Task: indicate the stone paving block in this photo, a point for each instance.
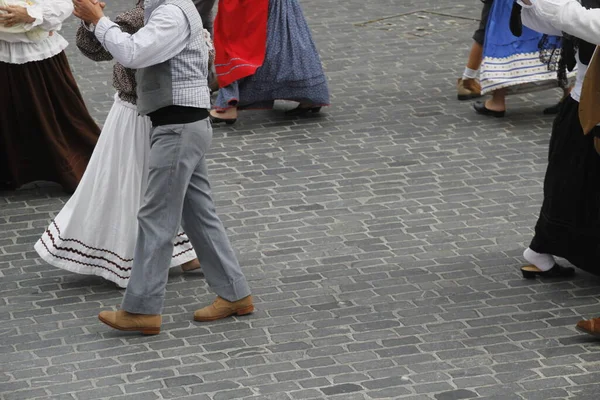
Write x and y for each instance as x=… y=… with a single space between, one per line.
x=381 y=239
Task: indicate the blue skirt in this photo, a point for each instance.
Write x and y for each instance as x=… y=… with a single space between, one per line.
x=510 y=61
x=292 y=68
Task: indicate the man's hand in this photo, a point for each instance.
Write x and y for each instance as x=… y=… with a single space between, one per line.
x=527 y=2
x=89 y=11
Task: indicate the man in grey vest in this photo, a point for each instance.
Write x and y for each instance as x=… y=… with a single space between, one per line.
x=171 y=58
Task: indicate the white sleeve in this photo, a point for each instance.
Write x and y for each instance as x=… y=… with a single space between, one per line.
x=50 y=14
x=164 y=36
x=534 y=21
x=571 y=17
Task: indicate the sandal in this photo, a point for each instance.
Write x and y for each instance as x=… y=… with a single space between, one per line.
x=480 y=108
x=531 y=272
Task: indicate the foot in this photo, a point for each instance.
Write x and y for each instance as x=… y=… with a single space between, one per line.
x=483 y=109
x=590 y=326
x=468 y=89
x=222 y=308
x=228 y=116
x=124 y=321
x=555 y=109
x=303 y=109
x=190 y=265
x=531 y=272
x=542 y=261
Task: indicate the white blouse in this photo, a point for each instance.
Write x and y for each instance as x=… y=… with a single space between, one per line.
x=567 y=16
x=18 y=48
x=552 y=17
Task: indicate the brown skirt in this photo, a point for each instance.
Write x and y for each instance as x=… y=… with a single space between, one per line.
x=46 y=131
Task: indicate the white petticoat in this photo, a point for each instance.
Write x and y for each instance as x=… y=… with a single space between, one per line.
x=24 y=52
x=95 y=232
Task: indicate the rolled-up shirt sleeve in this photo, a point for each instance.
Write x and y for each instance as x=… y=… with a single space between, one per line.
x=49 y=15
x=164 y=36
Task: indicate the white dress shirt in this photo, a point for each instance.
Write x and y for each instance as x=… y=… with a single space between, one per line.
x=567 y=16
x=18 y=48
x=165 y=35
x=553 y=17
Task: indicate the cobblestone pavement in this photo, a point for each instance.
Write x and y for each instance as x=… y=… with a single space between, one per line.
x=382 y=241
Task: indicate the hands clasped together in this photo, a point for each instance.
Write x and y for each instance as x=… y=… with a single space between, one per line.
x=89 y=11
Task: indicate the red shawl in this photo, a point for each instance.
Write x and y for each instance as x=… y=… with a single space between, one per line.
x=240 y=36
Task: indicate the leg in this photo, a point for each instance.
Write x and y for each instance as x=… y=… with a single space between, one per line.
x=225 y=109
x=174 y=153
x=475 y=56
x=468 y=86
x=498 y=101
x=208 y=236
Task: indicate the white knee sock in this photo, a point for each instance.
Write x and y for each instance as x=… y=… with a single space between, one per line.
x=543 y=261
x=470 y=73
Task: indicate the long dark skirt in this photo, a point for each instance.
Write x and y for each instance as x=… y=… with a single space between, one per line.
x=569 y=223
x=46 y=132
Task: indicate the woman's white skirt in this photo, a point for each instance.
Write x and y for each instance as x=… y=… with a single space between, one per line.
x=95 y=232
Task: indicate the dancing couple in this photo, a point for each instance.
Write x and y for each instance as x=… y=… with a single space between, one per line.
x=164 y=42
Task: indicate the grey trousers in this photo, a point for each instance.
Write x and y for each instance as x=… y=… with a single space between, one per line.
x=179 y=193
x=205 y=8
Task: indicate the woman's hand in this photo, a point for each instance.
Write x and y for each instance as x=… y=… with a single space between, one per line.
x=14 y=15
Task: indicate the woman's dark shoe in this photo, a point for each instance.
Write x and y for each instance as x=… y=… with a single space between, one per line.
x=531 y=272
x=480 y=108
x=302 y=111
x=217 y=120
x=555 y=109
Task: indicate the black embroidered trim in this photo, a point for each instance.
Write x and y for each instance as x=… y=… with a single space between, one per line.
x=98 y=249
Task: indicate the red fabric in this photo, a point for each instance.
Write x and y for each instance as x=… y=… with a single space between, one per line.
x=240 y=36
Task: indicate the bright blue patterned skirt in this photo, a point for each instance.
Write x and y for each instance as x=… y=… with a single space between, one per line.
x=292 y=68
x=510 y=61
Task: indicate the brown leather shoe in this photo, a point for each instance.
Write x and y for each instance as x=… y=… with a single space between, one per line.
x=222 y=308
x=190 y=265
x=590 y=326
x=468 y=89
x=124 y=321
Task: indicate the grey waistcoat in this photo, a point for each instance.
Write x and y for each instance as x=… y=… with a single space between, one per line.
x=182 y=80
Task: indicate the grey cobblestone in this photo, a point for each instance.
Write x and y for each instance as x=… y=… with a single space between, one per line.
x=381 y=239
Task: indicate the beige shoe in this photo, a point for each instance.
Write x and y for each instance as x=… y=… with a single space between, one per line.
x=468 y=89
x=591 y=327
x=222 y=308
x=124 y=321
x=190 y=265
